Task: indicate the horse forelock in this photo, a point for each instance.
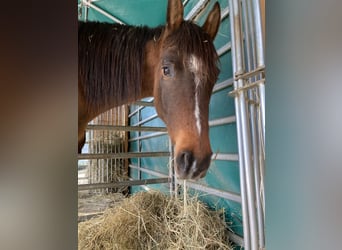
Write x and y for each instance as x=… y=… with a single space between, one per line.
x=192 y=42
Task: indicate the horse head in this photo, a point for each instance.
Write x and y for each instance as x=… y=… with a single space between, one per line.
x=184 y=60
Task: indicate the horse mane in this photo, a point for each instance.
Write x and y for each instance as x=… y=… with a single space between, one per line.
x=190 y=39
x=110 y=58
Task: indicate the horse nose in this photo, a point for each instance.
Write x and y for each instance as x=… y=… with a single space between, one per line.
x=184 y=162
x=188 y=167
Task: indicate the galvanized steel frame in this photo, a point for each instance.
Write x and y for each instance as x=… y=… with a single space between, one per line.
x=248 y=65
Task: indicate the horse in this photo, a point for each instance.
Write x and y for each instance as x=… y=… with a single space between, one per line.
x=176 y=63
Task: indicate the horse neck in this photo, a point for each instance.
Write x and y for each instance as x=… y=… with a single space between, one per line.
x=130 y=73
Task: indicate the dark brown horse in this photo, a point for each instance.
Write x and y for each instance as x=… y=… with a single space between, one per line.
x=175 y=63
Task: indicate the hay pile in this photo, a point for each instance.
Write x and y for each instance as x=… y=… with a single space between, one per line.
x=91 y=205
x=152 y=220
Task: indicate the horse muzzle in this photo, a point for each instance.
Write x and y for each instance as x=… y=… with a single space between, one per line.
x=190 y=167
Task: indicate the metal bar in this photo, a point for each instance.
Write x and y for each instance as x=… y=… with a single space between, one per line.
x=248 y=32
x=222 y=121
x=88 y=3
x=251 y=73
x=243 y=122
x=171 y=168
x=246 y=87
x=85 y=12
x=224 y=13
x=144 y=103
x=256 y=163
x=214 y=191
x=255 y=70
x=143 y=137
x=152 y=172
x=260 y=63
x=236 y=239
x=135 y=111
x=260 y=54
x=225 y=157
x=125 y=128
x=258 y=31
x=217 y=122
x=236 y=53
x=146 y=120
x=185 y=2
x=222 y=85
x=198 y=7
x=262 y=109
x=123 y=183
x=139 y=146
x=123 y=155
x=224 y=49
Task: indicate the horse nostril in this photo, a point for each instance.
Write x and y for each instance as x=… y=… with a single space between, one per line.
x=185 y=160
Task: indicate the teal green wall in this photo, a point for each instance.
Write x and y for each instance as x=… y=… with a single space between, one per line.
x=223 y=175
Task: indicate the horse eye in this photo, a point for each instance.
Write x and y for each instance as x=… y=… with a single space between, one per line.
x=167 y=71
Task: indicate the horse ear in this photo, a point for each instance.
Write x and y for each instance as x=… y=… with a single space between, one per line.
x=212 y=23
x=174 y=14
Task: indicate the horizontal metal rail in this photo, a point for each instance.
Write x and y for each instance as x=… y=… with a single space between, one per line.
x=146 y=120
x=144 y=103
x=123 y=155
x=212 y=123
x=224 y=13
x=135 y=111
x=149 y=171
x=195 y=10
x=125 y=128
x=238 y=240
x=222 y=121
x=214 y=191
x=123 y=183
x=224 y=49
x=222 y=85
x=245 y=75
x=143 y=137
x=225 y=157
x=89 y=4
x=246 y=87
x=185 y=2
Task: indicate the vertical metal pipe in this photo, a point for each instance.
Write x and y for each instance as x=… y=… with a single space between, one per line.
x=139 y=146
x=246 y=143
x=260 y=62
x=262 y=169
x=253 y=95
x=245 y=220
x=242 y=122
x=251 y=25
x=260 y=54
x=85 y=6
x=171 y=169
x=256 y=166
x=247 y=35
x=261 y=90
x=258 y=31
x=259 y=183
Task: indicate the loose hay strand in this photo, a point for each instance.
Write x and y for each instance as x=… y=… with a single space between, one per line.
x=153 y=220
x=185 y=194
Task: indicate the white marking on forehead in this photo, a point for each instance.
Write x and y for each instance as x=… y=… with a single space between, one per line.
x=195 y=64
x=195 y=67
